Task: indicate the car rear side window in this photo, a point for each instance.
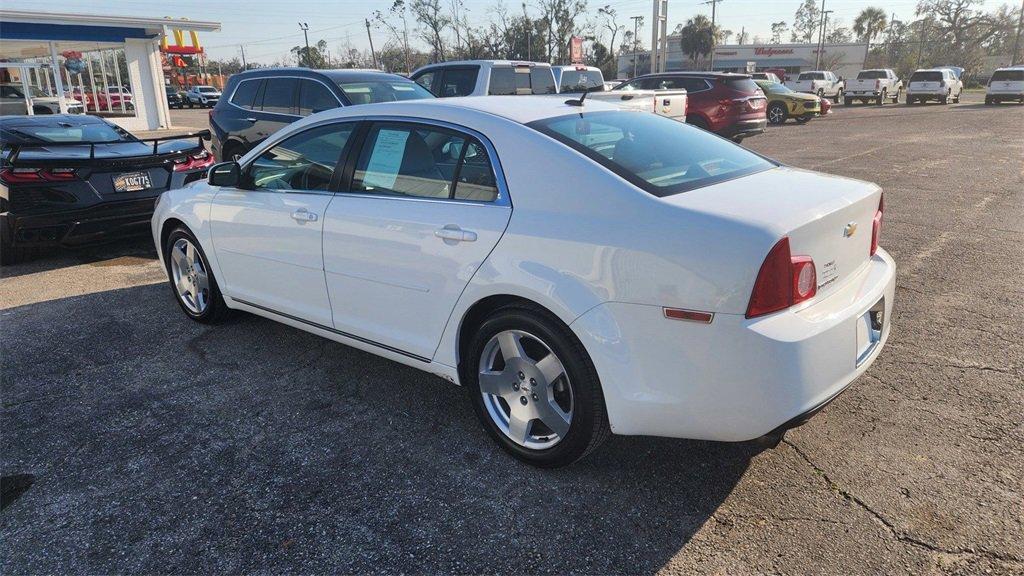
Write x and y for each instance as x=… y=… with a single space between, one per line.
x=657 y=154
x=745 y=85
x=503 y=82
x=245 y=93
x=1008 y=75
x=458 y=82
x=279 y=95
x=542 y=81
x=315 y=97
x=578 y=81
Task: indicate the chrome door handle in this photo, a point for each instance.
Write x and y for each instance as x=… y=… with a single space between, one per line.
x=302 y=216
x=456 y=234
x=253 y=120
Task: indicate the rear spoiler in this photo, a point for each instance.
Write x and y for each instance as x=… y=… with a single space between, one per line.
x=15 y=149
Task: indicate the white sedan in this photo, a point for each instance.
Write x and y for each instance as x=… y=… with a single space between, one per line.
x=582 y=270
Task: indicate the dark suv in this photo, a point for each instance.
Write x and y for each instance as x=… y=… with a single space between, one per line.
x=728 y=104
x=257 y=103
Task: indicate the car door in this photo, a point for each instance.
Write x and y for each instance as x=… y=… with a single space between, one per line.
x=274 y=108
x=268 y=233
x=420 y=208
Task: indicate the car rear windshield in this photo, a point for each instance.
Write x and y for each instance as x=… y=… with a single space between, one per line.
x=579 y=81
x=206 y=89
x=745 y=85
x=1009 y=75
x=812 y=76
x=926 y=77
x=872 y=75
x=657 y=154
x=95 y=133
x=383 y=91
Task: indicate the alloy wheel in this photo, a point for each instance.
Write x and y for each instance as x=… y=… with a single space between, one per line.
x=526 y=389
x=190 y=276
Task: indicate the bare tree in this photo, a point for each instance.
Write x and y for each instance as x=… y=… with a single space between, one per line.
x=610 y=22
x=396 y=22
x=778 y=30
x=430 y=14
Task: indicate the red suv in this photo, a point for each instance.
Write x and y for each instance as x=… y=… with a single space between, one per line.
x=727 y=104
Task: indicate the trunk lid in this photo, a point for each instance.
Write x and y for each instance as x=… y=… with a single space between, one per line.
x=828 y=218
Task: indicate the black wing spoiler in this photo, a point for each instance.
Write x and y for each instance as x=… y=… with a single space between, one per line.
x=15 y=149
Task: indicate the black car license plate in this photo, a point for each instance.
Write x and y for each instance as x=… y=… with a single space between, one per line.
x=132 y=182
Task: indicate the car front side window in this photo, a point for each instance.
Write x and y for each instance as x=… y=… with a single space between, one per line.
x=304 y=162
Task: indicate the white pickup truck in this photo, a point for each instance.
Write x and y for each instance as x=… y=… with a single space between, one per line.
x=821 y=82
x=510 y=78
x=879 y=85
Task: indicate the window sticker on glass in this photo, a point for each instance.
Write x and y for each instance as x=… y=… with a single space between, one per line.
x=386 y=159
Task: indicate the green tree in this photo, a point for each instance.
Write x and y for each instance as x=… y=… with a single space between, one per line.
x=778 y=29
x=869 y=23
x=696 y=37
x=314 y=56
x=806 y=22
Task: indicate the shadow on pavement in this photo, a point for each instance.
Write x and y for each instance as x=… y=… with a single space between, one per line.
x=158 y=444
x=62 y=257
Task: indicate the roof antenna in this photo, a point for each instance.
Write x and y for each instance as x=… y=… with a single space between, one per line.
x=580 y=101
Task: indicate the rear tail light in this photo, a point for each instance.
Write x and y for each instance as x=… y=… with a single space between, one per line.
x=197 y=161
x=878 y=84
x=782 y=281
x=876 y=225
x=30 y=175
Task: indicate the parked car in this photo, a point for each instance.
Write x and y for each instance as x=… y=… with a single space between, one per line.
x=769 y=76
x=204 y=96
x=1005 y=84
x=728 y=104
x=13 y=102
x=784 y=103
x=693 y=289
x=939 y=84
x=68 y=180
x=174 y=98
x=263 y=101
x=821 y=82
x=826 y=106
x=878 y=85
x=109 y=100
x=486 y=78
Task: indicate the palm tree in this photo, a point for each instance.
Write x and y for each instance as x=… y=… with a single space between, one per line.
x=868 y=25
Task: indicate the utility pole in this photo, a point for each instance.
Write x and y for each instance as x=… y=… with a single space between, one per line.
x=305 y=32
x=821 y=34
x=659 y=37
x=370 y=38
x=636 y=30
x=242 y=48
x=529 y=41
x=714 y=36
x=920 y=44
x=888 y=61
x=743 y=34
x=1016 y=41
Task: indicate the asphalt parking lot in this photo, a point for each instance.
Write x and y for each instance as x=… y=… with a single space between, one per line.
x=136 y=441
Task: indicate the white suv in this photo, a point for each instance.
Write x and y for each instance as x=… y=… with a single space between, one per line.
x=939 y=84
x=486 y=78
x=1006 y=84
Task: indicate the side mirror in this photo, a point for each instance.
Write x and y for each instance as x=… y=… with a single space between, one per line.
x=225 y=174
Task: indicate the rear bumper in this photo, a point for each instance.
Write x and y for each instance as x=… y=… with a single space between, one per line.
x=97 y=223
x=745 y=128
x=734 y=379
x=997 y=96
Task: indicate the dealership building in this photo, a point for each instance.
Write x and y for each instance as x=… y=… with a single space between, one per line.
x=111 y=65
x=843 y=59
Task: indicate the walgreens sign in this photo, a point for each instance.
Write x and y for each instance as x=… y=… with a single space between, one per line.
x=769 y=52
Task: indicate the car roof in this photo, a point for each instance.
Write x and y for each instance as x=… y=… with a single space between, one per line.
x=519 y=109
x=698 y=74
x=489 y=63
x=346 y=74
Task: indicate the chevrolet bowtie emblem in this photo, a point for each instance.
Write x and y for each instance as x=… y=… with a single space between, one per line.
x=850 y=229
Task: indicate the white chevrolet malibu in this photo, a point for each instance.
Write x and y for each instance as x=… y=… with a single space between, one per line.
x=580 y=269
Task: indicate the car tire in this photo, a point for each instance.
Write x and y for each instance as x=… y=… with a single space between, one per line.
x=821 y=92
x=839 y=96
x=572 y=401
x=882 y=98
x=698 y=122
x=988 y=101
x=10 y=255
x=200 y=299
x=777 y=113
x=231 y=150
x=848 y=102
x=896 y=98
x=957 y=99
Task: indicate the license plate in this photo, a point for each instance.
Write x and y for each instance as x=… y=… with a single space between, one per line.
x=132 y=182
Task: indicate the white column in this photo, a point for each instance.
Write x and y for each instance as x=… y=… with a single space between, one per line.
x=57 y=80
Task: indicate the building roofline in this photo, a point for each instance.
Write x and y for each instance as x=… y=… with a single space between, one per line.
x=63 y=18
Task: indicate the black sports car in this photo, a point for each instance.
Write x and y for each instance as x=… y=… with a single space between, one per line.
x=71 y=180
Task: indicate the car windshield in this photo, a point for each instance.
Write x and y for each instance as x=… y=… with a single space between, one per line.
x=872 y=75
x=657 y=154
x=745 y=85
x=926 y=77
x=578 y=81
x=773 y=87
x=1009 y=75
x=383 y=91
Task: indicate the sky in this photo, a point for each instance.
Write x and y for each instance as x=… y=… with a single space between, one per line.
x=269 y=28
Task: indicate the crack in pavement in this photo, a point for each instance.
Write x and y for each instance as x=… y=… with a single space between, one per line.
x=900 y=535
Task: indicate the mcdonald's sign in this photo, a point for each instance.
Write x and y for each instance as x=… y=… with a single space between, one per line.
x=179 y=46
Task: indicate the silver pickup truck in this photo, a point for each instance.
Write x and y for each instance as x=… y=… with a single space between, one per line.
x=670 y=103
x=878 y=85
